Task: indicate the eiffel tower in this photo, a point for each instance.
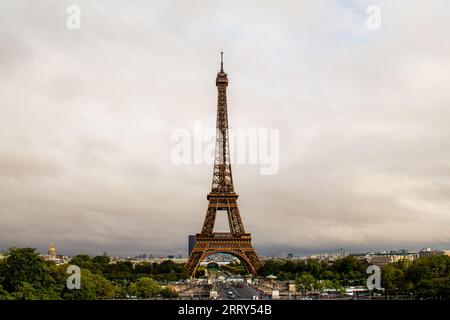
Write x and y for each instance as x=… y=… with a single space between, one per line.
x=223 y=198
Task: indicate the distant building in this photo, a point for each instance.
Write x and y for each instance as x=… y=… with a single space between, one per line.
x=425 y=252
x=380 y=259
x=191 y=243
x=443 y=252
x=360 y=256
x=384 y=258
x=399 y=251
x=290 y=256
x=53 y=257
x=428 y=252
x=52 y=251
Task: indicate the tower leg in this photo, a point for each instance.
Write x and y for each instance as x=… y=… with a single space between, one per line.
x=238 y=247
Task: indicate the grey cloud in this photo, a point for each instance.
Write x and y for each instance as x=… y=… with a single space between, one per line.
x=86 y=119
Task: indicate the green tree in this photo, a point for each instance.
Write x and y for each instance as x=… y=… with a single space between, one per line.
x=84 y=262
x=121 y=271
x=100 y=264
x=145 y=288
x=393 y=278
x=25 y=291
x=350 y=271
x=4 y=294
x=305 y=283
x=338 y=287
x=25 y=266
x=349 y=264
x=314 y=267
x=93 y=287
x=145 y=268
x=430 y=277
x=169 y=293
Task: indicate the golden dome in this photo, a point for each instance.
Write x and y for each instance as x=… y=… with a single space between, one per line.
x=52 y=250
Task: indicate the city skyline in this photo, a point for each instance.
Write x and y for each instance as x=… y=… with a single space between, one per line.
x=279 y=253
x=86 y=119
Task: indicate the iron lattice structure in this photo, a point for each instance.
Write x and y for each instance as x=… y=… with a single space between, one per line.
x=223 y=198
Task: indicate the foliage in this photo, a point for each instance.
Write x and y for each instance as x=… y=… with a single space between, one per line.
x=306 y=282
x=200 y=272
x=424 y=278
x=4 y=295
x=25 y=275
x=345 y=271
x=145 y=288
x=93 y=286
x=168 y=293
x=24 y=266
x=234 y=268
x=125 y=272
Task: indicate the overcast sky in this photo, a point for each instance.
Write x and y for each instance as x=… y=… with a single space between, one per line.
x=86 y=119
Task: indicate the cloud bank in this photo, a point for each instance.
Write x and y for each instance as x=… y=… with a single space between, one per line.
x=86 y=118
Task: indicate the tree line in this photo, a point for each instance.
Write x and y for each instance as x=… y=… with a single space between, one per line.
x=423 y=278
x=25 y=275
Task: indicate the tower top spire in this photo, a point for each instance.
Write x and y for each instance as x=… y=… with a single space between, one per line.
x=221 y=76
